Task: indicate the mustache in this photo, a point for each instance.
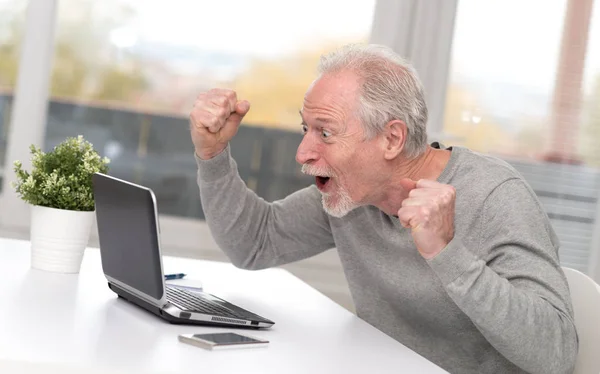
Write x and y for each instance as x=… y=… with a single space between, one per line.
x=317 y=171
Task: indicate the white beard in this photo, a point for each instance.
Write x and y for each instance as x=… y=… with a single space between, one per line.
x=341 y=207
x=344 y=203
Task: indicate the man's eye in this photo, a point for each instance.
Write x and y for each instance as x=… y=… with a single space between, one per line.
x=325 y=134
x=304 y=129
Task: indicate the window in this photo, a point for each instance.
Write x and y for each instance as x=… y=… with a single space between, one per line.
x=525 y=85
x=126 y=74
x=12 y=13
x=503 y=75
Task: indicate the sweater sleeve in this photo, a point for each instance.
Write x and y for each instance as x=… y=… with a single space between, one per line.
x=512 y=287
x=256 y=234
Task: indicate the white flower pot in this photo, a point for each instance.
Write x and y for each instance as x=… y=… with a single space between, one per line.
x=59 y=238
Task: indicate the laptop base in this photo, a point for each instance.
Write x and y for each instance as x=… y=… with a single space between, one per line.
x=166 y=316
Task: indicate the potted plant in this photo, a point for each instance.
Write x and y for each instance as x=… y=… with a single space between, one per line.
x=59 y=190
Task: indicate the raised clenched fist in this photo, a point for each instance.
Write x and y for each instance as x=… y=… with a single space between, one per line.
x=214 y=120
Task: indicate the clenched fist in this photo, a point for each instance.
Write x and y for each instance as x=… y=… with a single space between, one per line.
x=214 y=120
x=429 y=212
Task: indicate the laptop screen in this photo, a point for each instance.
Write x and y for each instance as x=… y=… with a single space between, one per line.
x=127 y=230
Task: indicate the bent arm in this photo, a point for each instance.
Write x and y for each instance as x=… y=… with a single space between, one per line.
x=514 y=291
x=256 y=234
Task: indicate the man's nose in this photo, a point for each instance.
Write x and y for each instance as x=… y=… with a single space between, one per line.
x=306 y=151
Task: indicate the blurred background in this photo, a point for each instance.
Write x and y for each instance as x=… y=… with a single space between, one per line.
x=519 y=79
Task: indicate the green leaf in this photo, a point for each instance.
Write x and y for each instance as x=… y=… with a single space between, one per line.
x=61 y=178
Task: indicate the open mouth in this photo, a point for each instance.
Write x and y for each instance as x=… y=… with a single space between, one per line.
x=322 y=182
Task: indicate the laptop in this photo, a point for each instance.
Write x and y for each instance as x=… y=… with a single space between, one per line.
x=128 y=231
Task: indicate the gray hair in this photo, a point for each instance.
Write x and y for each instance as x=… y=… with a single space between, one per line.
x=390 y=90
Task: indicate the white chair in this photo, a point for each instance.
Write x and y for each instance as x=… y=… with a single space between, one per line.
x=585 y=295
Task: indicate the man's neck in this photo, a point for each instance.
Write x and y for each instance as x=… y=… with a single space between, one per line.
x=429 y=165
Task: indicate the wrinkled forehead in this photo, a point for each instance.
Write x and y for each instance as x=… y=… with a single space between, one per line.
x=338 y=92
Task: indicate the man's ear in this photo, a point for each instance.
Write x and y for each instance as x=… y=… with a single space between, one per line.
x=395 y=136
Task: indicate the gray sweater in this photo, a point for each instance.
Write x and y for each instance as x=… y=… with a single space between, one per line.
x=493 y=301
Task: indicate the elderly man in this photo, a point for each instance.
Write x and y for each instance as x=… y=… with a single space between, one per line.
x=444 y=249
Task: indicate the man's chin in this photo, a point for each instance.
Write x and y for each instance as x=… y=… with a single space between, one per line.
x=338 y=208
x=336 y=212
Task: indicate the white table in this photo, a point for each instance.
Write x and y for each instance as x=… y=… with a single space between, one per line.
x=75 y=320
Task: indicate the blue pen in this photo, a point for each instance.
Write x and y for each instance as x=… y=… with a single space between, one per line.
x=174 y=276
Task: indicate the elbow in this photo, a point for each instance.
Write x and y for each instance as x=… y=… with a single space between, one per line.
x=566 y=358
x=252 y=261
x=238 y=263
x=237 y=257
x=256 y=256
x=561 y=355
x=240 y=253
x=245 y=264
x=571 y=359
x=567 y=363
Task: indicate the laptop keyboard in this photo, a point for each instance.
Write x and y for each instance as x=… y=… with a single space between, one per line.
x=195 y=302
